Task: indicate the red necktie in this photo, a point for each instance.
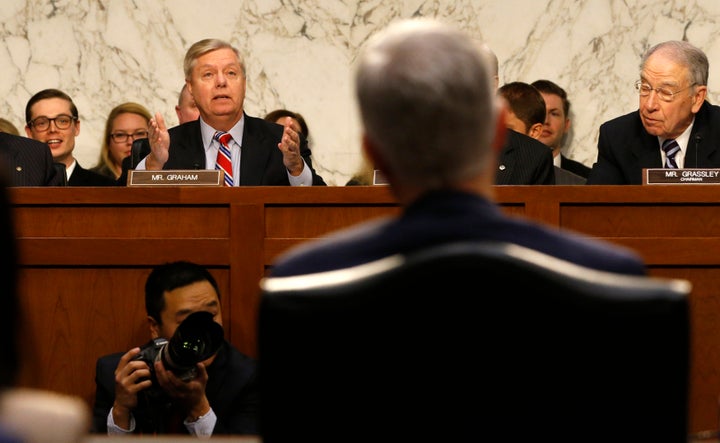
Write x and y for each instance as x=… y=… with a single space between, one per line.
x=224 y=162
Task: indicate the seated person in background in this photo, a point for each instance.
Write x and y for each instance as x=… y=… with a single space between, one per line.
x=7 y=126
x=672 y=92
x=526 y=115
x=126 y=123
x=186 y=109
x=28 y=162
x=271 y=154
x=52 y=118
x=220 y=399
x=557 y=125
x=523 y=160
x=525 y=108
x=297 y=121
x=439 y=158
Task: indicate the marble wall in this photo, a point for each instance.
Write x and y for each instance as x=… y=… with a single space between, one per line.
x=300 y=55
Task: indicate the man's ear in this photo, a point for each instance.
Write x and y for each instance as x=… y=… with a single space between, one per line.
x=535 y=130
x=500 y=128
x=154 y=328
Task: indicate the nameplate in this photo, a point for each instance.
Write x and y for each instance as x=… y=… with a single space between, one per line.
x=178 y=177
x=681 y=176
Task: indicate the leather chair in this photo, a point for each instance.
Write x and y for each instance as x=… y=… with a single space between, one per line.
x=473 y=342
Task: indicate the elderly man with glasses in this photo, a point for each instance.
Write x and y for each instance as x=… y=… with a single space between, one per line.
x=674 y=127
x=52 y=118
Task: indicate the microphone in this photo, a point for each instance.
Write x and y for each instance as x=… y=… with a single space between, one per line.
x=698 y=139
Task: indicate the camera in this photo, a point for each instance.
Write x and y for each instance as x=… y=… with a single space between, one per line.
x=196 y=339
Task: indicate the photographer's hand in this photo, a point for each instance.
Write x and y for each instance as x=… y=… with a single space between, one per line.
x=190 y=394
x=128 y=382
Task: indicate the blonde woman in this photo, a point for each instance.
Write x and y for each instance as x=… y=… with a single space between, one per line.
x=126 y=123
x=7 y=126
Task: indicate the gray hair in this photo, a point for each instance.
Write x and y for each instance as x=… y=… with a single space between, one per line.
x=686 y=54
x=427 y=102
x=202 y=47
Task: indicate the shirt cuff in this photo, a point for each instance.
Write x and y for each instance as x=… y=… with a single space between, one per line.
x=304 y=179
x=113 y=429
x=203 y=426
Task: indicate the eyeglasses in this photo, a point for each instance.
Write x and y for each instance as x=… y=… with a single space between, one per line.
x=122 y=137
x=42 y=124
x=663 y=94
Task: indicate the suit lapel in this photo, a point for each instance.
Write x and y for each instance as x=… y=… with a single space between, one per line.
x=255 y=154
x=189 y=143
x=647 y=151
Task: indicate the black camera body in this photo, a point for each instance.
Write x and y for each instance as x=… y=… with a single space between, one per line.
x=196 y=339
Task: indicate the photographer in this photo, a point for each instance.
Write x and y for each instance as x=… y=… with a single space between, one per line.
x=136 y=393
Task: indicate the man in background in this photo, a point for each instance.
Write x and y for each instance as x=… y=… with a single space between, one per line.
x=523 y=160
x=672 y=91
x=52 y=118
x=186 y=109
x=527 y=115
x=271 y=154
x=557 y=126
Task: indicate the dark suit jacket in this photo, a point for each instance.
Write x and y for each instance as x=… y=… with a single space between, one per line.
x=261 y=161
x=231 y=390
x=524 y=161
x=448 y=216
x=28 y=162
x=574 y=166
x=86 y=177
x=565 y=177
x=625 y=148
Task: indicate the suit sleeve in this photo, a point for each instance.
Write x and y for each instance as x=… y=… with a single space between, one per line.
x=546 y=169
x=605 y=171
x=104 y=396
x=306 y=154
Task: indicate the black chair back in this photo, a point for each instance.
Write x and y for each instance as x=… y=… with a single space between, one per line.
x=473 y=342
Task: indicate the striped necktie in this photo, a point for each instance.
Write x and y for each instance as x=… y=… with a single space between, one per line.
x=224 y=159
x=671 y=147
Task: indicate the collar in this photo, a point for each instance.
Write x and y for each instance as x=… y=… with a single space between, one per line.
x=684 y=139
x=69 y=170
x=208 y=131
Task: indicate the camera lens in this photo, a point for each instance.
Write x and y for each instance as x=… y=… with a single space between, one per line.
x=196 y=339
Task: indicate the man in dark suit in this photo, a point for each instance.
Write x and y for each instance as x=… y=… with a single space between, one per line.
x=28 y=162
x=672 y=90
x=219 y=398
x=52 y=118
x=524 y=160
x=261 y=152
x=439 y=158
x=555 y=129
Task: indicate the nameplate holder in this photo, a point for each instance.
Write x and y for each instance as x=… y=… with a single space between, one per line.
x=681 y=176
x=176 y=177
x=379 y=178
